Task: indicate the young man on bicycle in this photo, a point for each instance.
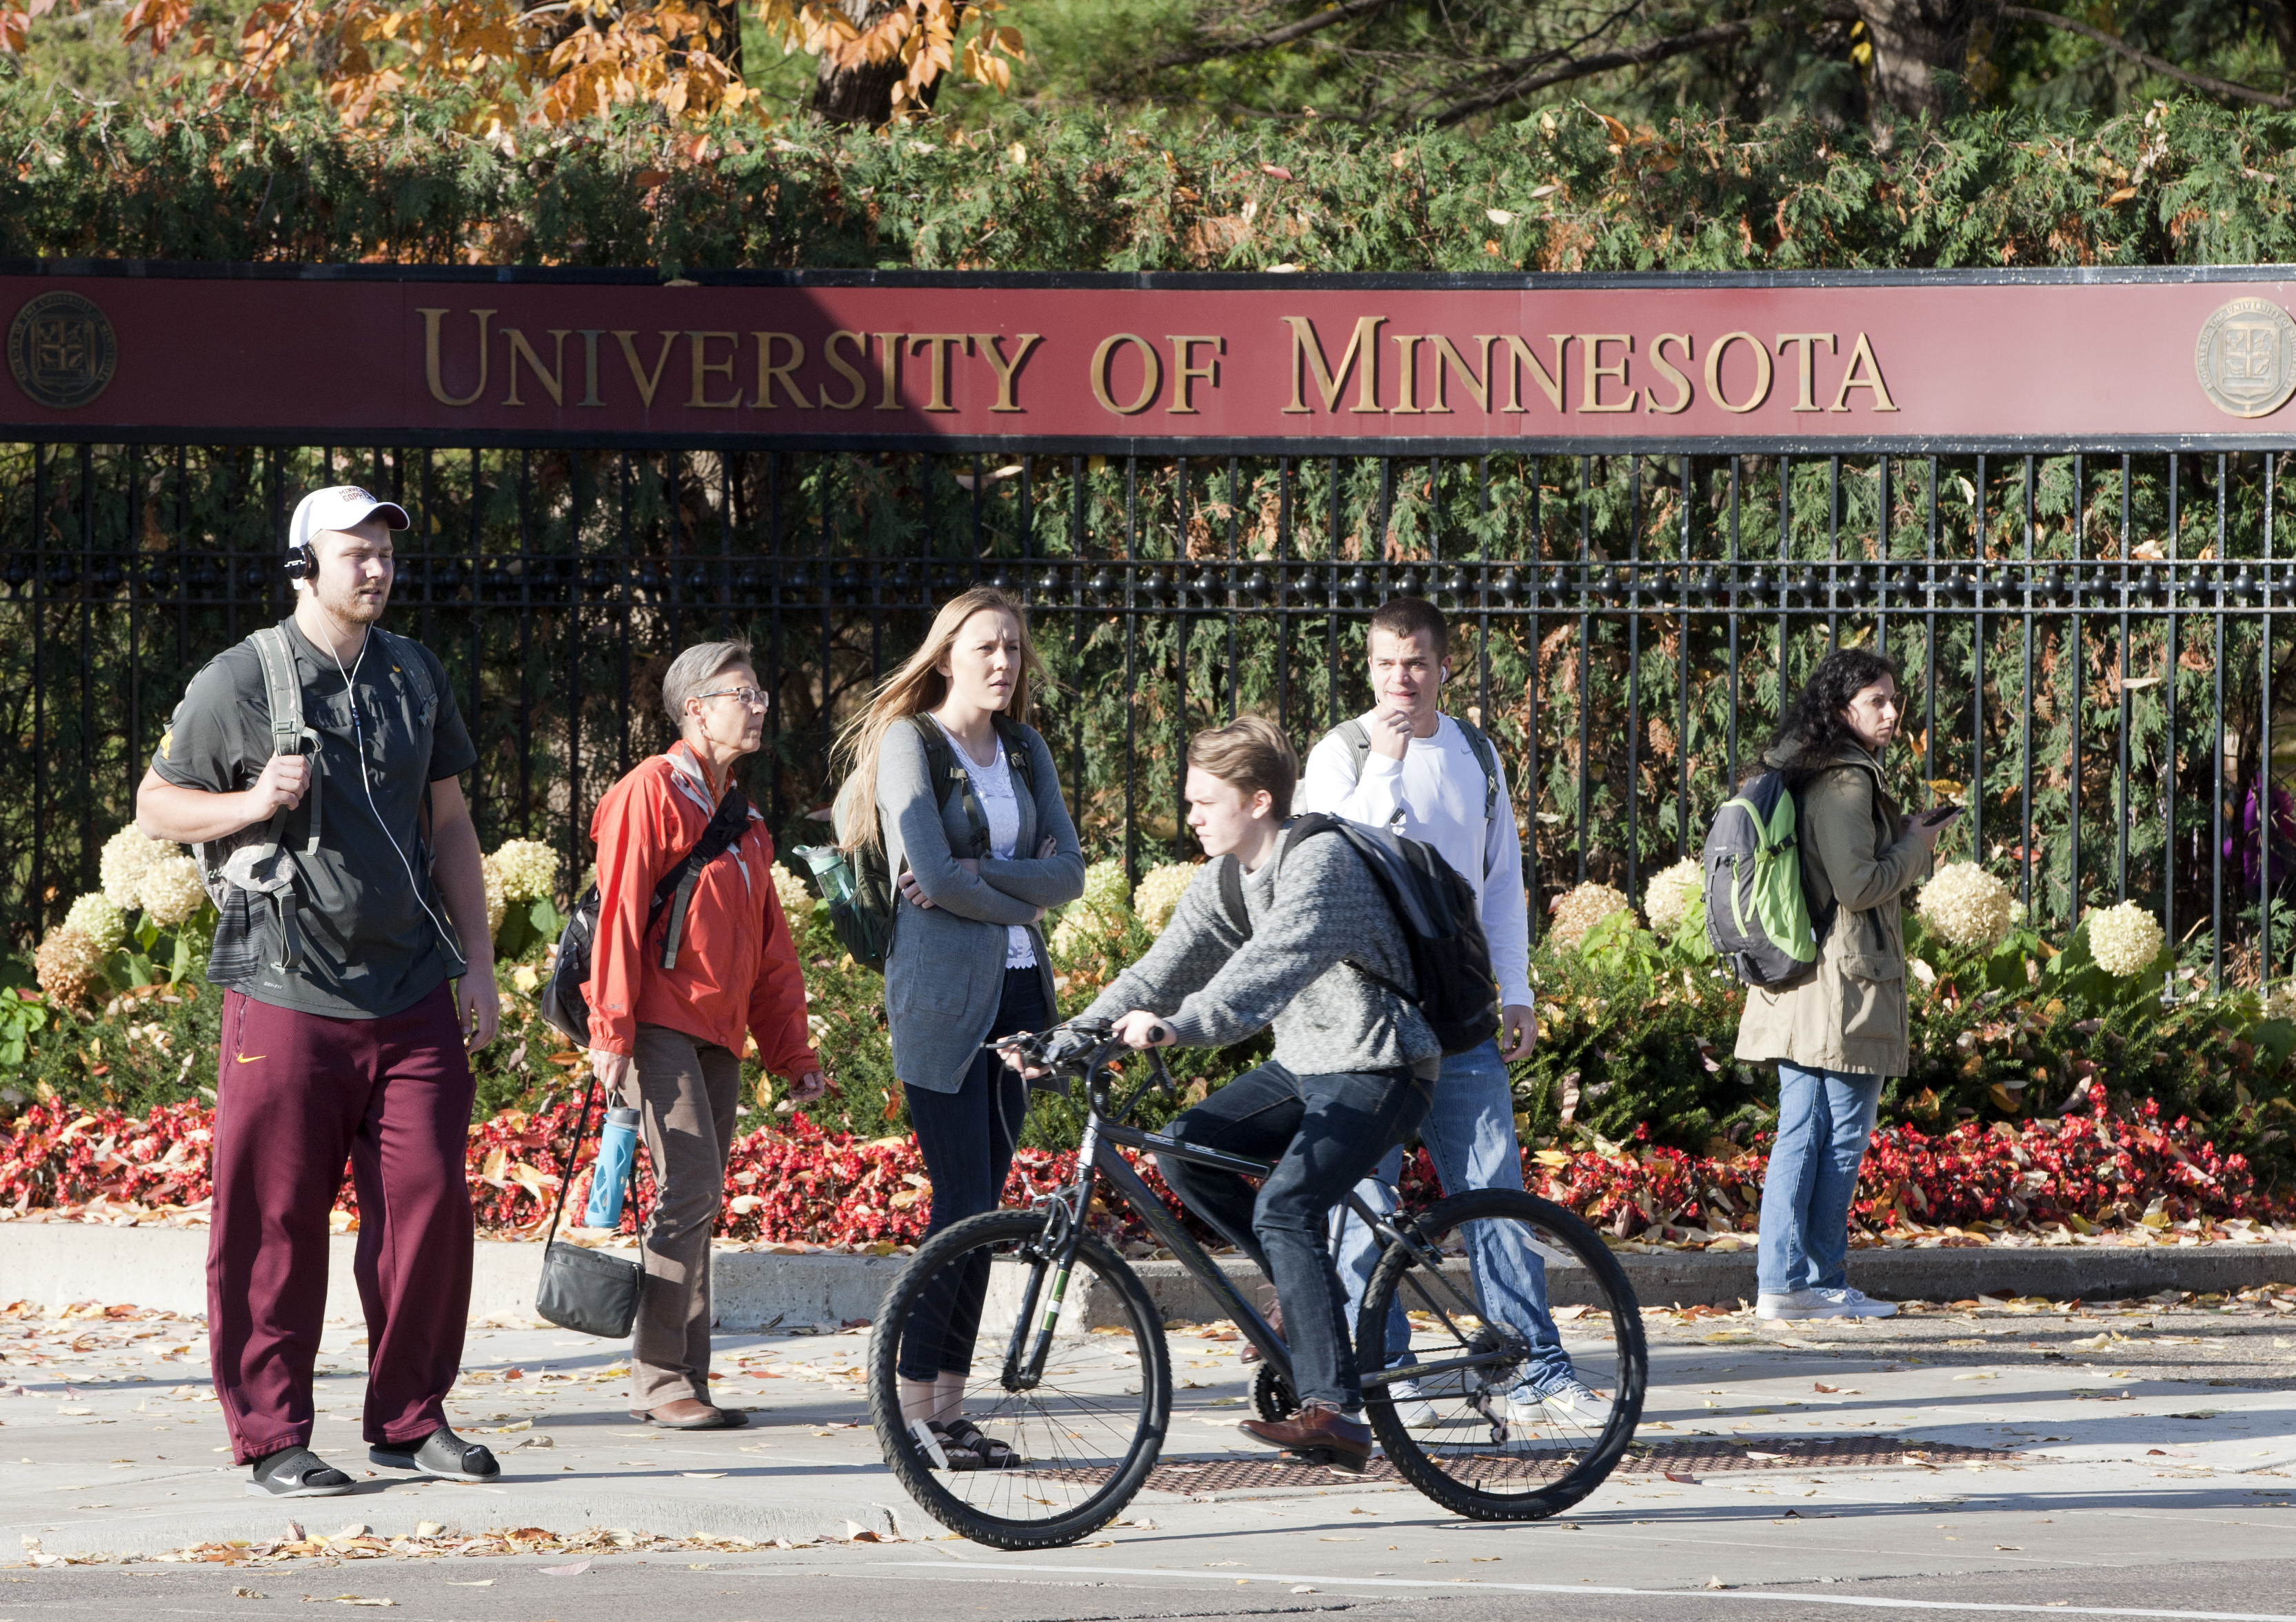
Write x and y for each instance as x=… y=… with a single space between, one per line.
x=1354 y=1065
x=1408 y=767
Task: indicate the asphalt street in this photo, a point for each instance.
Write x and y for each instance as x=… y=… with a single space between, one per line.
x=2007 y=1458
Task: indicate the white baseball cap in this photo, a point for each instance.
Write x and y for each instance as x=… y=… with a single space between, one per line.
x=340 y=506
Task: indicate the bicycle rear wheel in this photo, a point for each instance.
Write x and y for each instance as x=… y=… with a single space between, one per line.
x=1488 y=1442
x=1086 y=1435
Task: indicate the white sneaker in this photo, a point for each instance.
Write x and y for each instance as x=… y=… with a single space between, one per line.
x=1792 y=1303
x=1411 y=1406
x=1566 y=1398
x=1847 y=1302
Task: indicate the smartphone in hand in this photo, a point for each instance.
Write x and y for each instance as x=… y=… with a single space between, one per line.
x=1938 y=815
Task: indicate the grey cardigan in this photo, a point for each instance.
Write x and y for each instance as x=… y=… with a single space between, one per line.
x=945 y=968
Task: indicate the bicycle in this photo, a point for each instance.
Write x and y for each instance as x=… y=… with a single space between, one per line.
x=1086 y=1408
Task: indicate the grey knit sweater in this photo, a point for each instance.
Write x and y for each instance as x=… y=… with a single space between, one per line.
x=1316 y=914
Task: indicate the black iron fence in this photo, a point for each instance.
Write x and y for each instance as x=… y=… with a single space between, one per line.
x=2089 y=638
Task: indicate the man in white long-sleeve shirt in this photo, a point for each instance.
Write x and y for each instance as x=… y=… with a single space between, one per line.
x=1409 y=767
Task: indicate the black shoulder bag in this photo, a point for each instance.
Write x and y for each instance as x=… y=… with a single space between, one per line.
x=589 y=1291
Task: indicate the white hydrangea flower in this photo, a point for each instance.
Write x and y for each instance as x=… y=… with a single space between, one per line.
x=171 y=890
x=1095 y=914
x=797 y=901
x=1666 y=903
x=2124 y=940
x=65 y=963
x=1967 y=905
x=126 y=855
x=94 y=916
x=497 y=896
x=528 y=870
x=1160 y=890
x=2281 y=1003
x=1584 y=908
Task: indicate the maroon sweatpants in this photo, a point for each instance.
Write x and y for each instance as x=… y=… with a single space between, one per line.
x=296 y=1093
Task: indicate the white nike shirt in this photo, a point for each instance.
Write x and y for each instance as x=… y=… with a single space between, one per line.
x=1437 y=788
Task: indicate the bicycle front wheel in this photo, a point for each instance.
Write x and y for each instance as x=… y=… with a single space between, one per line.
x=1078 y=1440
x=1547 y=1409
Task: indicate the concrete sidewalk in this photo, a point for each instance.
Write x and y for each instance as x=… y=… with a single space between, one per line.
x=53 y=1264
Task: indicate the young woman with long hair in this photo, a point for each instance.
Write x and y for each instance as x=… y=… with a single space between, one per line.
x=947 y=777
x=1836 y=1034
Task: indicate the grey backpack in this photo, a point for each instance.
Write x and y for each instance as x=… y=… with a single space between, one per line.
x=254 y=862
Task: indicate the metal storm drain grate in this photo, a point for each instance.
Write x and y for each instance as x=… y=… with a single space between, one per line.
x=1700 y=1457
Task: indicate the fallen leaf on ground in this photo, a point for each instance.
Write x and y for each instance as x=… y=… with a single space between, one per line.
x=1678 y=1476
x=248 y=1593
x=703 y=1474
x=576 y=1570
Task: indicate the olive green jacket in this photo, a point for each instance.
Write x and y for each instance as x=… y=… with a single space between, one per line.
x=1851 y=1015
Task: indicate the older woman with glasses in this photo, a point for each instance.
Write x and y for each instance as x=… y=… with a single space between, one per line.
x=668 y=1040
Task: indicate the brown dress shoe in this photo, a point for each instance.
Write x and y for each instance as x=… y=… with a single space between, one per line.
x=1319 y=1434
x=1271 y=1309
x=687 y=1413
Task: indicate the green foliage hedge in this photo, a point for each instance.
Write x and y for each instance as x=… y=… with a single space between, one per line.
x=2189 y=183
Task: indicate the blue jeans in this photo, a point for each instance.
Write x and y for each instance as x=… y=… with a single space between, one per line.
x=1825 y=1118
x=967 y=1138
x=1322 y=1132
x=1470 y=1135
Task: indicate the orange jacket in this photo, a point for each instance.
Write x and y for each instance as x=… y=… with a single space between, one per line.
x=736 y=962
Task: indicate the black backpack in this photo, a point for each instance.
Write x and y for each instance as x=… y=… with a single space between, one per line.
x=564 y=1006
x=858 y=887
x=1450 y=957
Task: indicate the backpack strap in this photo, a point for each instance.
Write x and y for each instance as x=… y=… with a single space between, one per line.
x=1018 y=753
x=283 y=694
x=675 y=890
x=1231 y=889
x=1355 y=737
x=951 y=780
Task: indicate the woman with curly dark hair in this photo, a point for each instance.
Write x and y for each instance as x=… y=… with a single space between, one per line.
x=1836 y=1034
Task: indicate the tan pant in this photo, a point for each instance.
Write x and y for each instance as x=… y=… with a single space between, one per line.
x=687 y=1093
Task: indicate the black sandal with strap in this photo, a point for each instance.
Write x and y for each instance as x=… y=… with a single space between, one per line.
x=979 y=1450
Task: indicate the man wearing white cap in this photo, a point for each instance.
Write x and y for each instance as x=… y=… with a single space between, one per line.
x=317 y=765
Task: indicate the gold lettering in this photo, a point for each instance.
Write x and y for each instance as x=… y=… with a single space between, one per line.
x=704 y=368
x=590 y=336
x=1008 y=371
x=647 y=383
x=1406 y=396
x=1806 y=359
x=1185 y=372
x=1667 y=369
x=1450 y=363
x=430 y=365
x=1152 y=373
x=939 y=343
x=1550 y=383
x=1590 y=345
x=787 y=371
x=1762 y=371
x=860 y=341
x=1307 y=348
x=888 y=370
x=1863 y=355
x=520 y=349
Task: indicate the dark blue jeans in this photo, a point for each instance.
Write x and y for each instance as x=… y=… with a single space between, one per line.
x=966 y=1138
x=1325 y=1134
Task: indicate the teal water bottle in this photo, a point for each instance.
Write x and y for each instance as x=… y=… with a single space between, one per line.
x=617 y=1148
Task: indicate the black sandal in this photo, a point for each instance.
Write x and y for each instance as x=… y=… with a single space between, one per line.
x=978 y=1449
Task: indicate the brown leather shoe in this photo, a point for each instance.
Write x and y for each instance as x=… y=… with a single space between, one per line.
x=687 y=1413
x=1319 y=1434
x=1271 y=1309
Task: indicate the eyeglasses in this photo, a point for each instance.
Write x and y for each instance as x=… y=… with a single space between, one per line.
x=748 y=696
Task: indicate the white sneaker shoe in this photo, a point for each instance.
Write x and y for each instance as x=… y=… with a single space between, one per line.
x=1792 y=1303
x=1568 y=1398
x=1847 y=1302
x=1412 y=1408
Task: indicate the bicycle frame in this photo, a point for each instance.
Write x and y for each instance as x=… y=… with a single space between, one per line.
x=1098 y=1159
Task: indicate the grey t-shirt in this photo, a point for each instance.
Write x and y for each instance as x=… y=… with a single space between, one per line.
x=369 y=948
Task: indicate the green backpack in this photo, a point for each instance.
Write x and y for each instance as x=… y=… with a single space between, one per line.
x=1756 y=913
x=859 y=887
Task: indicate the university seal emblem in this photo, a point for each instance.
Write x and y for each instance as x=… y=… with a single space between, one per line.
x=2247 y=358
x=61 y=350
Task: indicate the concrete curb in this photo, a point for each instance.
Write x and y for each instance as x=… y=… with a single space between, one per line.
x=55 y=1264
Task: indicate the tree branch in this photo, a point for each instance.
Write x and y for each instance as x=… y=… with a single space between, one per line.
x=1636 y=56
x=1342 y=12
x=2166 y=70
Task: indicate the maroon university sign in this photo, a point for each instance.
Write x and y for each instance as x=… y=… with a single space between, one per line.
x=130 y=351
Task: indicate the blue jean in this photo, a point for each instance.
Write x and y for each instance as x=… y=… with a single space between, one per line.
x=967 y=1138
x=1321 y=1132
x=1470 y=1135
x=1825 y=1118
